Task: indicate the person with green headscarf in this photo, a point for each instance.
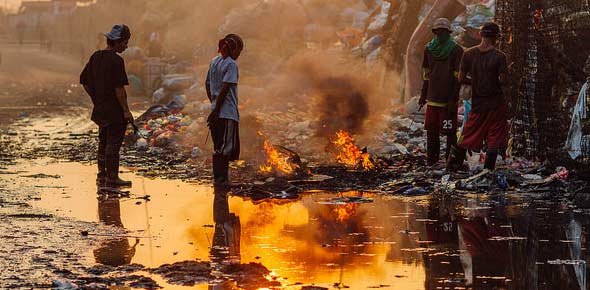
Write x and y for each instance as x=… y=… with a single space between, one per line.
x=440 y=89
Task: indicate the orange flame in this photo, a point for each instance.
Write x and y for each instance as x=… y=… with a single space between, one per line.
x=277 y=161
x=345 y=211
x=349 y=153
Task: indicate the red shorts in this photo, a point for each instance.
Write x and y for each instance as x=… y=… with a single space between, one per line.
x=489 y=127
x=437 y=119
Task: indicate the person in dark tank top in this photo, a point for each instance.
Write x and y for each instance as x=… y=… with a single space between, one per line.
x=485 y=68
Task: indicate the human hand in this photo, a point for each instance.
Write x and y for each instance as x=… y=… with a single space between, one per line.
x=213 y=117
x=128 y=116
x=422 y=102
x=452 y=111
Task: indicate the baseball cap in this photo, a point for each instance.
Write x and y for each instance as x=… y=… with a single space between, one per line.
x=442 y=23
x=119 y=31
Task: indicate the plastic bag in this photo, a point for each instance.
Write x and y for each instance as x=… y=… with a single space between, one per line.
x=380 y=20
x=175 y=83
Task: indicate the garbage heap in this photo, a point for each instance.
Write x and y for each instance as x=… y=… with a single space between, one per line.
x=544 y=40
x=384 y=29
x=163 y=79
x=162 y=132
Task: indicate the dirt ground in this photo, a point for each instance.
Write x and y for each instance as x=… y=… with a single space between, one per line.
x=36 y=81
x=174 y=231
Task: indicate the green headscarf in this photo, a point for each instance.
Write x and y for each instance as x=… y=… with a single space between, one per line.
x=441 y=46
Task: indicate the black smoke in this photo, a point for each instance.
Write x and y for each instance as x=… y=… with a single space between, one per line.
x=341 y=104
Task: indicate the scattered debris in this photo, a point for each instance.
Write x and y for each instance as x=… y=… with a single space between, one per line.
x=187 y=273
x=41 y=175
x=347 y=199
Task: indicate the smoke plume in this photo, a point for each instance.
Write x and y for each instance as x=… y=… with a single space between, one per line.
x=341 y=105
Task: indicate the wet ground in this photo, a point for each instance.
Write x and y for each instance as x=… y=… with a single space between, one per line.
x=346 y=239
x=175 y=231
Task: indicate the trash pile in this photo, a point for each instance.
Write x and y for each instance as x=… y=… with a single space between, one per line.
x=367 y=28
x=402 y=135
x=365 y=35
x=162 y=79
x=477 y=14
x=161 y=132
x=172 y=86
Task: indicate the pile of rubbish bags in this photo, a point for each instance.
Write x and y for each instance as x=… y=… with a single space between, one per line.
x=476 y=14
x=169 y=83
x=172 y=86
x=366 y=31
x=365 y=36
x=160 y=78
x=403 y=135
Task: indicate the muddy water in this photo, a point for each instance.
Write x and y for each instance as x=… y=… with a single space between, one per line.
x=325 y=239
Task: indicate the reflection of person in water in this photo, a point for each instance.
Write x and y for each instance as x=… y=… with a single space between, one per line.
x=442 y=267
x=226 y=239
x=114 y=251
x=482 y=256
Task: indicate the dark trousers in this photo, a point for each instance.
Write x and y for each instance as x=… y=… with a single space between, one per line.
x=433 y=145
x=226 y=145
x=436 y=123
x=110 y=139
x=220 y=169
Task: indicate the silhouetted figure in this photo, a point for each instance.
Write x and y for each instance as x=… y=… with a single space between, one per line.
x=115 y=251
x=485 y=68
x=104 y=79
x=223 y=121
x=440 y=89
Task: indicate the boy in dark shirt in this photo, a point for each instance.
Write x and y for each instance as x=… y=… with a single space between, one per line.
x=104 y=78
x=440 y=90
x=488 y=120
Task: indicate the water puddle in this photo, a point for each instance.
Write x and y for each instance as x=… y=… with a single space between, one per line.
x=354 y=239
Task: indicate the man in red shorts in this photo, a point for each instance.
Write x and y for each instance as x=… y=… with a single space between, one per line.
x=440 y=90
x=484 y=68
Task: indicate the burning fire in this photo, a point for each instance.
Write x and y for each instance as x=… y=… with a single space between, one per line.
x=349 y=153
x=276 y=160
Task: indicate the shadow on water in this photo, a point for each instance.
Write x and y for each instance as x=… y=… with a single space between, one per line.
x=321 y=238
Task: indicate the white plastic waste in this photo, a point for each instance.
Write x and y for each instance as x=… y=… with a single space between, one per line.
x=141 y=143
x=575 y=136
x=177 y=82
x=380 y=20
x=63 y=285
x=159 y=95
